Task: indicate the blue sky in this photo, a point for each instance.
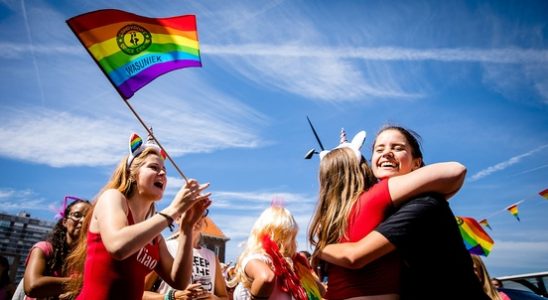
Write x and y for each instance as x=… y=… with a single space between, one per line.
x=471 y=77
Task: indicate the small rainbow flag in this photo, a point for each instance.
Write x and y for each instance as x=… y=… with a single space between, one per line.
x=477 y=241
x=513 y=209
x=133 y=50
x=306 y=275
x=484 y=223
x=544 y=194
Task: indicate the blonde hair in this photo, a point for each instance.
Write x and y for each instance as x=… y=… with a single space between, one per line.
x=342 y=179
x=485 y=279
x=123 y=180
x=277 y=223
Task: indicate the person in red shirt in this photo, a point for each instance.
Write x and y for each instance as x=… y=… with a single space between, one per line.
x=423 y=230
x=352 y=204
x=124 y=240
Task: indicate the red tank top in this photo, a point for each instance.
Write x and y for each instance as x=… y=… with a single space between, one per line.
x=379 y=277
x=108 y=278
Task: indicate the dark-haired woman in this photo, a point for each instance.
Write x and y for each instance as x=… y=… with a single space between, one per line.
x=45 y=275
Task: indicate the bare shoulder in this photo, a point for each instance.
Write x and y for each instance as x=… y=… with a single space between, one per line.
x=109 y=202
x=110 y=197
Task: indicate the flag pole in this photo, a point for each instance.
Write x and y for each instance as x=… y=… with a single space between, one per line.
x=155 y=140
x=127 y=102
x=315 y=133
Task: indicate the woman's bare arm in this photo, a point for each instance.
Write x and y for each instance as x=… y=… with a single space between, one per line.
x=358 y=254
x=442 y=178
x=38 y=285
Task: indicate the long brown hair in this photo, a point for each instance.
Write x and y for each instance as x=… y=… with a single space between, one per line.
x=342 y=179
x=123 y=180
x=484 y=278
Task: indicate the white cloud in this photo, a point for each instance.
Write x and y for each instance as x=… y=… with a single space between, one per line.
x=338 y=72
x=18 y=50
x=505 y=164
x=92 y=133
x=511 y=55
x=14 y=200
x=238 y=199
x=59 y=139
x=237 y=228
x=512 y=79
x=500 y=55
x=517 y=256
x=235 y=212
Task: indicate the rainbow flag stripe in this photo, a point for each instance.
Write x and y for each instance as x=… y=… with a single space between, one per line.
x=485 y=223
x=133 y=50
x=135 y=142
x=513 y=209
x=544 y=194
x=477 y=241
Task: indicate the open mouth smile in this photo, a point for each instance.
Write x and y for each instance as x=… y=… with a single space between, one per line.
x=159 y=184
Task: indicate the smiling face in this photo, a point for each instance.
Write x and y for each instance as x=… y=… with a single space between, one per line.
x=151 y=177
x=393 y=155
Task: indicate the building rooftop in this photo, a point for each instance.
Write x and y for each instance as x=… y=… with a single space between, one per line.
x=212 y=230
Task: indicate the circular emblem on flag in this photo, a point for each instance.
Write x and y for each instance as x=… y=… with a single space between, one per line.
x=133 y=39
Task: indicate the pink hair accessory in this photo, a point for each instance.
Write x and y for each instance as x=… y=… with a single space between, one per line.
x=277 y=202
x=61 y=211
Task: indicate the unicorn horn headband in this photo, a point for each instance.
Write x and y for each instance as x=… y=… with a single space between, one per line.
x=356 y=144
x=313 y=151
x=136 y=147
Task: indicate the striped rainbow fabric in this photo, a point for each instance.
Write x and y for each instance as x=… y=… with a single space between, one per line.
x=485 y=223
x=133 y=50
x=513 y=209
x=477 y=241
x=544 y=194
x=135 y=141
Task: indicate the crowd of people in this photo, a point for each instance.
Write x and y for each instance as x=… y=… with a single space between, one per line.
x=372 y=233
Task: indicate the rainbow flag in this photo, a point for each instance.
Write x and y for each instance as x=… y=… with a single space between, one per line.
x=484 y=223
x=513 y=209
x=544 y=194
x=307 y=276
x=133 y=50
x=477 y=241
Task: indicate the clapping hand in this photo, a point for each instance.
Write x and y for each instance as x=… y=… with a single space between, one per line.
x=189 y=195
